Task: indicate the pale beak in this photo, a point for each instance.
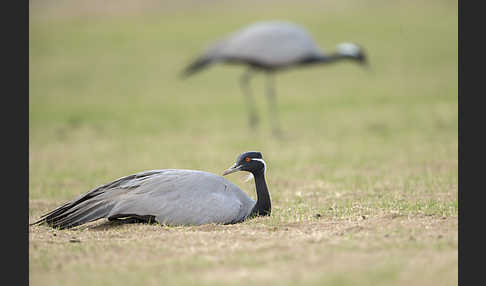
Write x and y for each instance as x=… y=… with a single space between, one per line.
x=232 y=170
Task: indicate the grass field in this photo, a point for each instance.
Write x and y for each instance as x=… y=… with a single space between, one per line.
x=364 y=184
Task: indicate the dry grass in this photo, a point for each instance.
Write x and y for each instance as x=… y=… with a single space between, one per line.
x=379 y=250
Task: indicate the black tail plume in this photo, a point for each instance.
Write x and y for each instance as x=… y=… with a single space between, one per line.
x=196 y=66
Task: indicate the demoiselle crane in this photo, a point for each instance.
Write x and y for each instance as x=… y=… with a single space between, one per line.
x=269 y=47
x=170 y=197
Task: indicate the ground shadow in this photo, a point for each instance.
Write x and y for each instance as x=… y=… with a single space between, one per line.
x=111 y=224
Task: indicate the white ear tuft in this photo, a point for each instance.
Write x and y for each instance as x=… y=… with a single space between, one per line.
x=263 y=162
x=348 y=49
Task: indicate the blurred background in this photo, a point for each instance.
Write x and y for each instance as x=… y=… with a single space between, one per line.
x=105 y=101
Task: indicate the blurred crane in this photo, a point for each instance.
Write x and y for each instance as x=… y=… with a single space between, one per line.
x=270 y=47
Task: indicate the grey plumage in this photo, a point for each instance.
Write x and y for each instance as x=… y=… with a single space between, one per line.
x=265 y=45
x=270 y=46
x=170 y=196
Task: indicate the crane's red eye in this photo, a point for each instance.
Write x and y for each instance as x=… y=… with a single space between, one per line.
x=247 y=159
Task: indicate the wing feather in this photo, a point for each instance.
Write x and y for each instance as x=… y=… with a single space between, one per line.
x=175 y=197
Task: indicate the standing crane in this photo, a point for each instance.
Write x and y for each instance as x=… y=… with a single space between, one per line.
x=269 y=47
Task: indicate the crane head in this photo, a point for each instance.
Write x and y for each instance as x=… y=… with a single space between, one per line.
x=251 y=161
x=352 y=51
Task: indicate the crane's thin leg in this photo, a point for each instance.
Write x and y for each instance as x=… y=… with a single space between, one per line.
x=250 y=102
x=272 y=105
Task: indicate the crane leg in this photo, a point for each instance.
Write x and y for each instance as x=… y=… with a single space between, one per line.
x=272 y=105
x=250 y=102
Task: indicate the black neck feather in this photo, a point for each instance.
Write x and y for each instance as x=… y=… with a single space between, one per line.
x=325 y=59
x=263 y=206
